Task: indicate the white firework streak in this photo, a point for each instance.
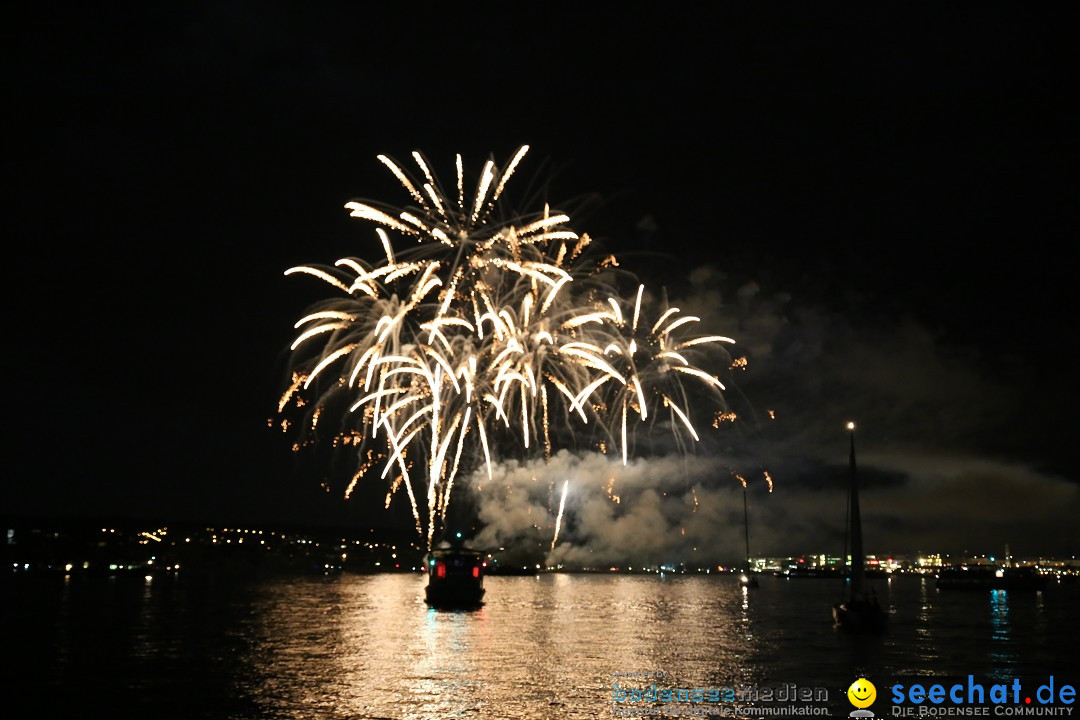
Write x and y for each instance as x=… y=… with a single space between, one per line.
x=558 y=518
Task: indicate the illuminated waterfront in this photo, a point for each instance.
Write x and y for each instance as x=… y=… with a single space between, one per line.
x=154 y=548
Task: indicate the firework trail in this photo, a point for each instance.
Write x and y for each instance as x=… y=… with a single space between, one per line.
x=478 y=334
x=558 y=517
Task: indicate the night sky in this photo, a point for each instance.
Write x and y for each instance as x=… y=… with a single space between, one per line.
x=880 y=207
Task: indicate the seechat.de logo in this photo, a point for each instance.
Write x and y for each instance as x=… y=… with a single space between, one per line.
x=972 y=697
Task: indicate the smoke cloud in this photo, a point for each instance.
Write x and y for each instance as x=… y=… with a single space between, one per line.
x=672 y=510
x=931 y=475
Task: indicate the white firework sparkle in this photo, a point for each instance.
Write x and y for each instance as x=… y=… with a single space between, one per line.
x=484 y=337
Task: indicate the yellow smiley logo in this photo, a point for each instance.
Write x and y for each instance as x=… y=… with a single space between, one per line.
x=862 y=693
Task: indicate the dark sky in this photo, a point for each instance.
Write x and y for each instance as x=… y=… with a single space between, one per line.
x=883 y=202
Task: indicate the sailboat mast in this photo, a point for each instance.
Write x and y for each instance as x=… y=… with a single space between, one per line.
x=857 y=557
x=746 y=527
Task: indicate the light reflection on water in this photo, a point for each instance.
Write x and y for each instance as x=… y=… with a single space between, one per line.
x=1001 y=642
x=355 y=646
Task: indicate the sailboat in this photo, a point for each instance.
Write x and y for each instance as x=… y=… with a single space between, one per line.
x=746 y=579
x=858 y=609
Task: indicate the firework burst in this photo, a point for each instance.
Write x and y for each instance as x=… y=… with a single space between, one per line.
x=479 y=334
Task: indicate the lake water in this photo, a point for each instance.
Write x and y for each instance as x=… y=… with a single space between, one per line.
x=366 y=646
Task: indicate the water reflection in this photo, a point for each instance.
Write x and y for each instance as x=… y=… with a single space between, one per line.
x=1002 y=654
x=999 y=615
x=926 y=641
x=540 y=645
x=354 y=646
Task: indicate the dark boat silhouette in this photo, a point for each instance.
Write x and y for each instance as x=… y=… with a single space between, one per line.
x=858 y=610
x=992 y=578
x=813 y=572
x=455 y=577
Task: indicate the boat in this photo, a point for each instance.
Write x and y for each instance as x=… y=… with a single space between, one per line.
x=803 y=571
x=992 y=578
x=858 y=610
x=747 y=579
x=813 y=572
x=455 y=578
